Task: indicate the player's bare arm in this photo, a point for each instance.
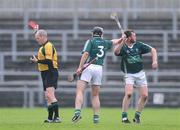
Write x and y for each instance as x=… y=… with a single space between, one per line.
x=82 y=61
x=116 y=41
x=118 y=46
x=154 y=58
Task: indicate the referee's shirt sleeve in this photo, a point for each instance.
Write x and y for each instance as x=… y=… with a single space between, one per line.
x=87 y=46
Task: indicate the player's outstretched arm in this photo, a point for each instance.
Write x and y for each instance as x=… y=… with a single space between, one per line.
x=154 y=58
x=119 y=45
x=116 y=41
x=120 y=40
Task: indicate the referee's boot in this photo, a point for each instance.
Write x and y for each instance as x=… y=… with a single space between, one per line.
x=48 y=121
x=57 y=120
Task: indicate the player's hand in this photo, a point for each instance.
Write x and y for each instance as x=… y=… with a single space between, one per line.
x=85 y=65
x=123 y=36
x=79 y=71
x=155 y=65
x=34 y=59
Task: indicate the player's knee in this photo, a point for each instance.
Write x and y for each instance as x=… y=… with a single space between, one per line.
x=95 y=97
x=144 y=97
x=95 y=94
x=49 y=95
x=79 y=94
x=79 y=97
x=129 y=95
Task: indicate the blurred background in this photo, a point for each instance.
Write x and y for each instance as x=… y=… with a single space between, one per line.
x=69 y=24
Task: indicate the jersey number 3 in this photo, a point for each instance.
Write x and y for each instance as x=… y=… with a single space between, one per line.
x=101 y=51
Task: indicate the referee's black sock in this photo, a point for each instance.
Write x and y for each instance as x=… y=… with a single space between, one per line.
x=50 y=112
x=55 y=109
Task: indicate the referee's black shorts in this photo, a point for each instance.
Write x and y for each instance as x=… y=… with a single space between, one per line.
x=49 y=78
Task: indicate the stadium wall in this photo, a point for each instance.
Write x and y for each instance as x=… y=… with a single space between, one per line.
x=26 y=4
x=90 y=8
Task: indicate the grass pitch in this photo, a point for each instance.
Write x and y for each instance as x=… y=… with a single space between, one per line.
x=32 y=119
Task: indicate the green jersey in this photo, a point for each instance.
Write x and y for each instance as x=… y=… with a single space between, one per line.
x=132 y=61
x=97 y=47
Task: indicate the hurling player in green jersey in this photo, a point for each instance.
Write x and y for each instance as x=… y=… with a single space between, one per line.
x=95 y=47
x=131 y=52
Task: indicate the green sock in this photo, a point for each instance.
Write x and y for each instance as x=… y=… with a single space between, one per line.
x=124 y=115
x=77 y=112
x=96 y=118
x=137 y=115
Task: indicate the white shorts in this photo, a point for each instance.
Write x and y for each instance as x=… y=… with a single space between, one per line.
x=93 y=74
x=138 y=79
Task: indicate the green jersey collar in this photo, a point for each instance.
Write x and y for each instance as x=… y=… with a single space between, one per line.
x=131 y=45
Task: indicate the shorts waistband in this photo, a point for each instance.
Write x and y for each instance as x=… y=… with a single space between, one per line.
x=96 y=65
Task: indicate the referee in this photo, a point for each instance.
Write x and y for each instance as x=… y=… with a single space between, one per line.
x=48 y=66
